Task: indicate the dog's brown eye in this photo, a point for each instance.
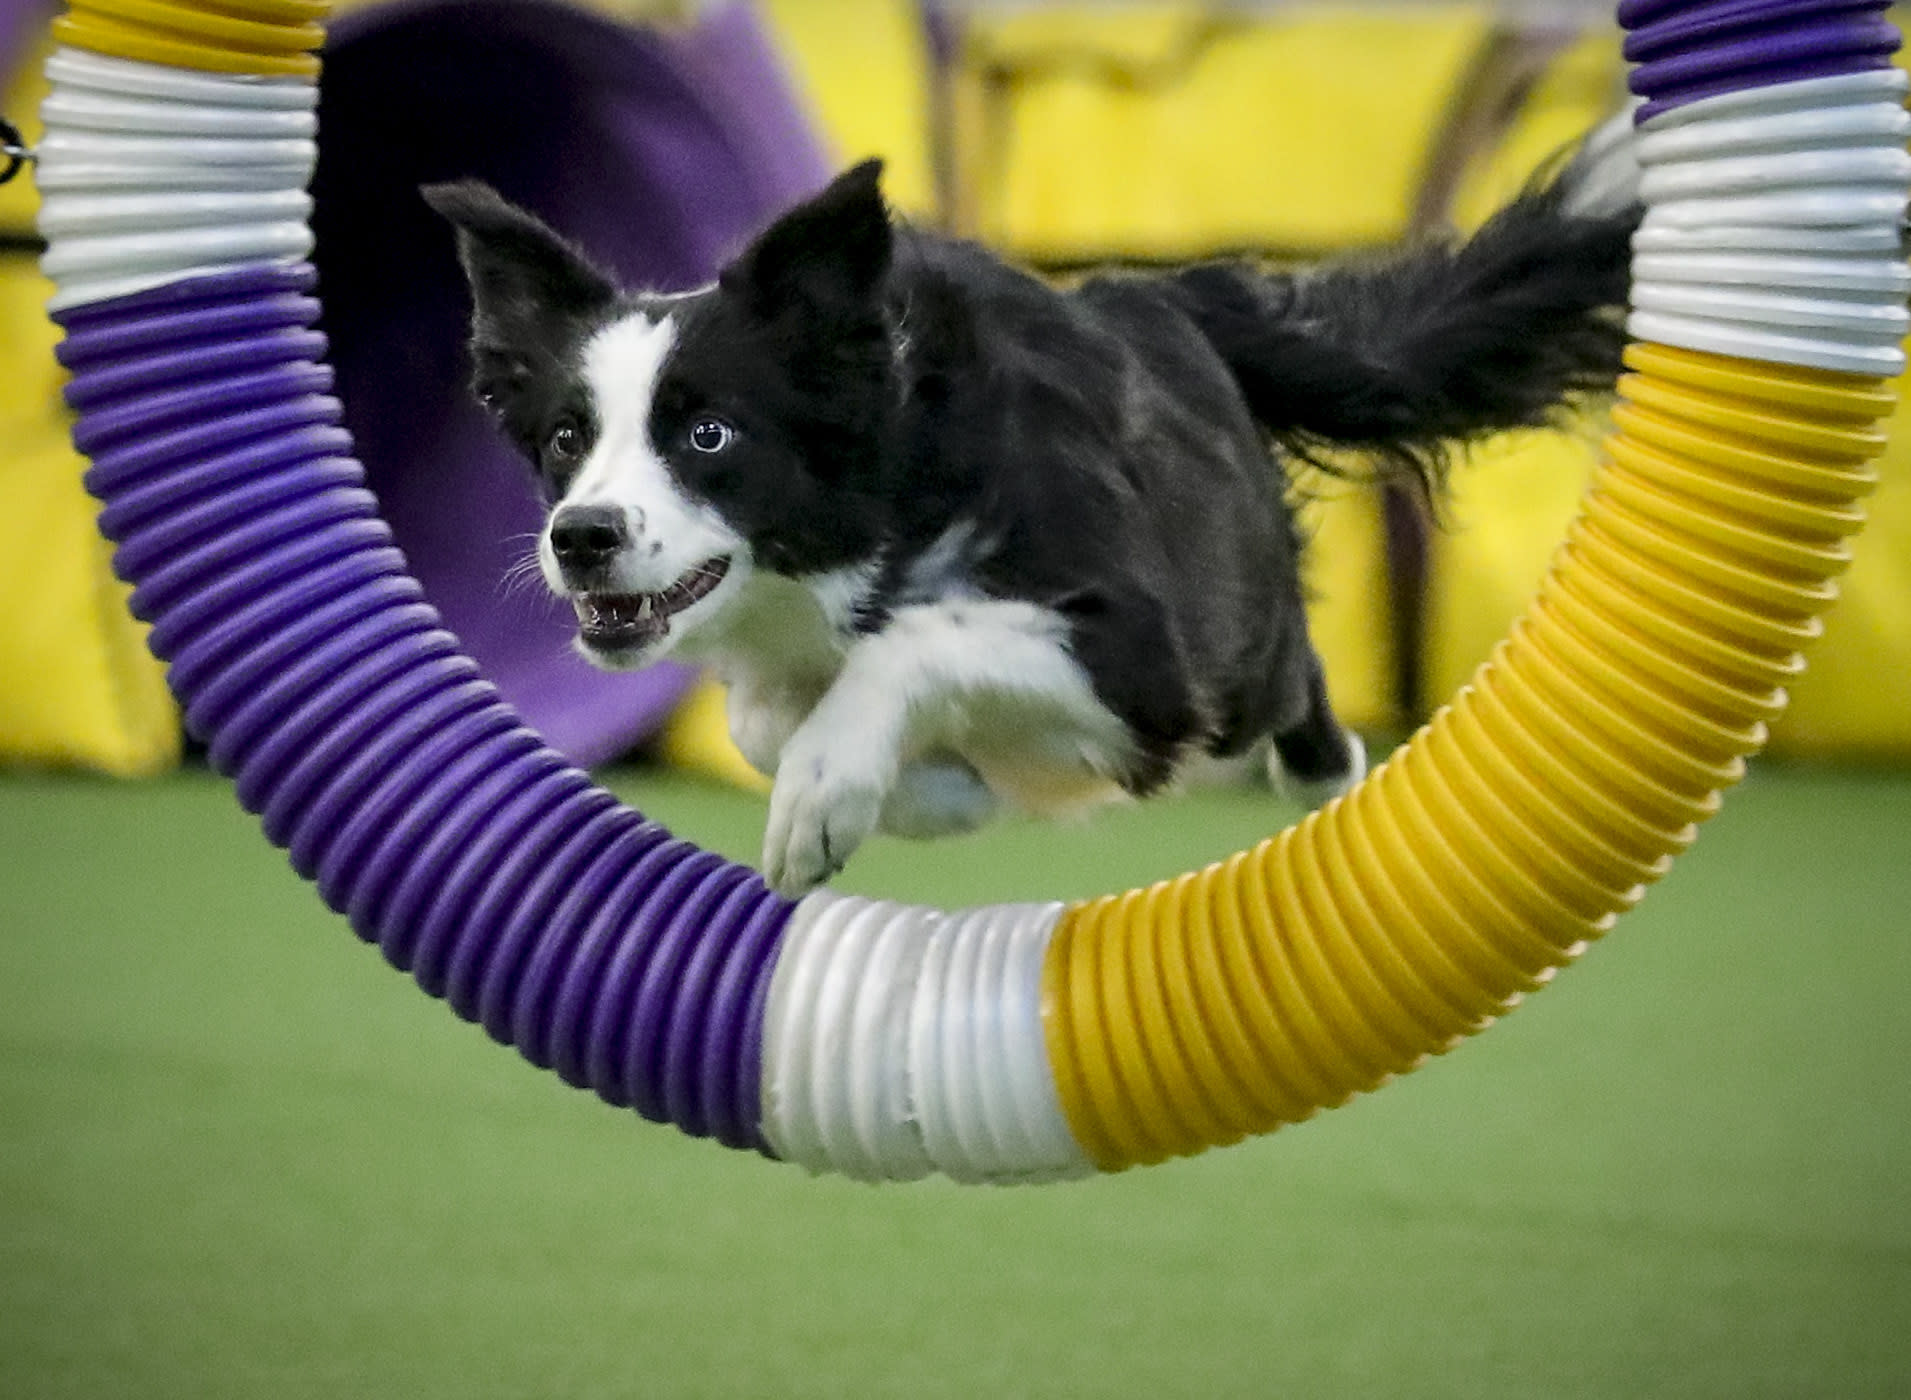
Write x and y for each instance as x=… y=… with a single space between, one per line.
x=566 y=443
x=712 y=435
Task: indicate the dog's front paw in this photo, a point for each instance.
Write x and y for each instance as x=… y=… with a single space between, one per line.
x=824 y=804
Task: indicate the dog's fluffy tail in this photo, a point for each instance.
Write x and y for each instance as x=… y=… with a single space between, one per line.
x=1404 y=356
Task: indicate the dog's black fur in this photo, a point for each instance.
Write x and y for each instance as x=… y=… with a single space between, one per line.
x=909 y=408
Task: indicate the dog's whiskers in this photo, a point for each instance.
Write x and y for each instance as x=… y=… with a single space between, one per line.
x=523 y=574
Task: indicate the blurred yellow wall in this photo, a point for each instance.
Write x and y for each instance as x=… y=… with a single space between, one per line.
x=1135 y=131
x=77 y=685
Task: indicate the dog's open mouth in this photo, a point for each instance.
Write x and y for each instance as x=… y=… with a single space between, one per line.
x=623 y=621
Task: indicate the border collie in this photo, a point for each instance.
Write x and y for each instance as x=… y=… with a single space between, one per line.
x=956 y=539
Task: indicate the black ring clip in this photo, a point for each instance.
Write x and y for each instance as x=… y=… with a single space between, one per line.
x=13 y=150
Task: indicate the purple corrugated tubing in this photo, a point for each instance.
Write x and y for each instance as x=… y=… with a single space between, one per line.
x=1687 y=29
x=351 y=722
x=1786 y=47
x=1747 y=78
x=1636 y=14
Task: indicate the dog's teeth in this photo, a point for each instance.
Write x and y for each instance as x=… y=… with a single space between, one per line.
x=648 y=614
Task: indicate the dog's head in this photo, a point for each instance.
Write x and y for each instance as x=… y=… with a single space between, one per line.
x=687 y=442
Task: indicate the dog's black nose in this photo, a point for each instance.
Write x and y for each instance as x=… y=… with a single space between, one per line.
x=585 y=537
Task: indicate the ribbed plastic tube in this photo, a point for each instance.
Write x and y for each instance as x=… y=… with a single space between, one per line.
x=304 y=654
x=1014 y=1042
x=1557 y=786
x=906 y=1041
x=1512 y=829
x=151 y=175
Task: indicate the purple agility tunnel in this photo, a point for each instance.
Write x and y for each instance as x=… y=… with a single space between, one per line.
x=659 y=150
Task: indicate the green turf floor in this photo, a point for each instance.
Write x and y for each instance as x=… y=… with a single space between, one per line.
x=240 y=1157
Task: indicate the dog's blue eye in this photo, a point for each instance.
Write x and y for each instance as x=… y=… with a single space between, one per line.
x=712 y=435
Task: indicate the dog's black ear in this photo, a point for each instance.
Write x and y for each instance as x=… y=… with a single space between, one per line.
x=526 y=281
x=532 y=293
x=824 y=259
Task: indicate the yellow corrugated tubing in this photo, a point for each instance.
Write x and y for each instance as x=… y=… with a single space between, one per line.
x=1527 y=814
x=268 y=38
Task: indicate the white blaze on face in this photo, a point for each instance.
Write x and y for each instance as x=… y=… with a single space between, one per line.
x=670 y=534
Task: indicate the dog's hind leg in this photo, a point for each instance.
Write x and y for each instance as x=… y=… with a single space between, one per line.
x=937 y=797
x=1315 y=759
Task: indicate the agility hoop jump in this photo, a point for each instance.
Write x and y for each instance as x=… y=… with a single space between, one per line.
x=1008 y=1042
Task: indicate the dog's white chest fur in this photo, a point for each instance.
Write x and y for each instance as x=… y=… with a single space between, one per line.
x=922 y=728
